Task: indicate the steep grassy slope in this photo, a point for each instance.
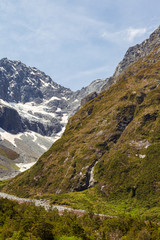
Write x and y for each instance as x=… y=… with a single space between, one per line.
x=116 y=136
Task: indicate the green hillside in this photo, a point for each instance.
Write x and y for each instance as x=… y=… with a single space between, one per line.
x=111 y=143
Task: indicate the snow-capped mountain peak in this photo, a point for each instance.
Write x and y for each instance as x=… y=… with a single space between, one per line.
x=32 y=104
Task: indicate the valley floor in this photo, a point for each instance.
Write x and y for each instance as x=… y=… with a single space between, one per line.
x=46 y=205
x=26 y=221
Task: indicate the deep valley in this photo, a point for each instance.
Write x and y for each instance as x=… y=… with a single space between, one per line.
x=105 y=158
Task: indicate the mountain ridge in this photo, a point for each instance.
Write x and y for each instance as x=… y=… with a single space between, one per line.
x=33 y=112
x=134 y=53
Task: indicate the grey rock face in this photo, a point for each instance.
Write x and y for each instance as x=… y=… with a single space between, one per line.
x=14 y=123
x=95 y=86
x=23 y=84
x=88 y=98
x=20 y=83
x=7 y=115
x=134 y=53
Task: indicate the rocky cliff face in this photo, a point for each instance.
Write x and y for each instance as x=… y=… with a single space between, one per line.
x=136 y=52
x=37 y=99
x=88 y=98
x=21 y=83
x=132 y=55
x=95 y=86
x=7 y=115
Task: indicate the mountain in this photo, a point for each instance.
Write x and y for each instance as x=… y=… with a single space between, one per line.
x=140 y=50
x=111 y=143
x=33 y=113
x=26 y=89
x=133 y=54
x=95 y=86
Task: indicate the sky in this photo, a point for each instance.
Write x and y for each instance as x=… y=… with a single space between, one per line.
x=74 y=41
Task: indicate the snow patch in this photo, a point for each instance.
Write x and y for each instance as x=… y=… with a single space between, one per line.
x=14 y=68
x=64 y=118
x=42 y=146
x=4 y=103
x=30 y=81
x=2 y=69
x=30 y=109
x=54 y=98
x=32 y=134
x=33 y=73
x=37 y=138
x=64 y=98
x=24 y=166
x=59 y=110
x=45 y=83
x=10 y=137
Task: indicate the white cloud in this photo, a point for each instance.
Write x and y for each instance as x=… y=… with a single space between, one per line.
x=135 y=32
x=125 y=35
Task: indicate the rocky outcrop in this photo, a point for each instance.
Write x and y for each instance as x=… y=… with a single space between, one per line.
x=87 y=180
x=134 y=53
x=13 y=123
x=124 y=117
x=21 y=83
x=88 y=98
x=7 y=117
